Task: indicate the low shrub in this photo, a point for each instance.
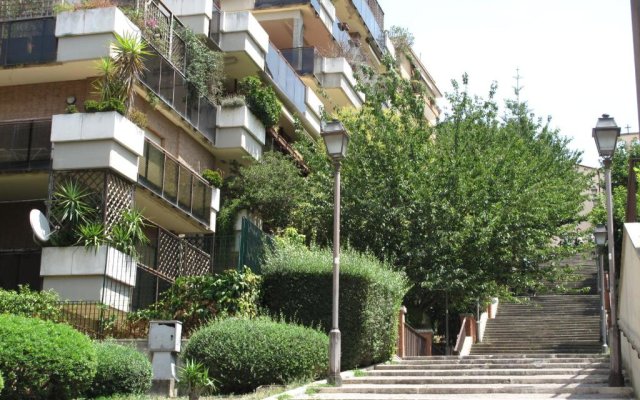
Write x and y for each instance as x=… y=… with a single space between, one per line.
x=29 y=303
x=44 y=360
x=194 y=300
x=113 y=104
x=242 y=354
x=297 y=283
x=120 y=370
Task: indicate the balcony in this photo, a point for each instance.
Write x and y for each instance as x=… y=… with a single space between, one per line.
x=25 y=146
x=365 y=19
x=26 y=42
x=244 y=42
x=333 y=74
x=286 y=79
x=179 y=188
x=201 y=16
x=163 y=79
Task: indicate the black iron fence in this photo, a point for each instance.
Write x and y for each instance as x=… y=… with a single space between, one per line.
x=174 y=182
x=25 y=145
x=30 y=41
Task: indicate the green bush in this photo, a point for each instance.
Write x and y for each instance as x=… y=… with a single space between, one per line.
x=121 y=370
x=242 y=354
x=29 y=303
x=1 y=383
x=213 y=177
x=194 y=300
x=297 y=284
x=261 y=100
x=44 y=360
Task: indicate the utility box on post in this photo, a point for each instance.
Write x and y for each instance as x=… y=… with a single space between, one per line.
x=164 y=345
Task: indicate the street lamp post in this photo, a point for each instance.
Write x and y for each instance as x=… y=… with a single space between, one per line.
x=336 y=141
x=600 y=237
x=606 y=135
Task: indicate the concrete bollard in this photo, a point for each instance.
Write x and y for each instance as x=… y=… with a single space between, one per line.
x=164 y=345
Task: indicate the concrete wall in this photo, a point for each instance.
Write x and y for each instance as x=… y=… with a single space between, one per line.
x=629 y=303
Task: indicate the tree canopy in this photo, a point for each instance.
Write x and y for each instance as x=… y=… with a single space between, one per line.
x=470 y=206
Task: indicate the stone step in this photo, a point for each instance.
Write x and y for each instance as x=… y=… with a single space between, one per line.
x=479 y=380
x=525 y=356
x=572 y=365
x=492 y=372
x=474 y=396
x=551 y=388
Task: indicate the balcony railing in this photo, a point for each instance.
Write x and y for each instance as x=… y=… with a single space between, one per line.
x=12 y=10
x=174 y=182
x=170 y=256
x=25 y=145
x=29 y=41
x=171 y=86
x=373 y=17
x=286 y=78
x=302 y=59
x=215 y=24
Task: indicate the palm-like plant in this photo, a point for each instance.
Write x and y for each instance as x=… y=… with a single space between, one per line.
x=72 y=204
x=128 y=63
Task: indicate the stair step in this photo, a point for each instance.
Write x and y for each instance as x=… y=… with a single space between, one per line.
x=492 y=372
x=479 y=379
x=475 y=396
x=551 y=388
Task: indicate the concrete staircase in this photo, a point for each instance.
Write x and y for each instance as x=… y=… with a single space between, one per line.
x=547 y=347
x=544 y=325
x=558 y=376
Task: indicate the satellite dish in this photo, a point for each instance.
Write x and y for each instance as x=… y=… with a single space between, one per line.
x=40 y=225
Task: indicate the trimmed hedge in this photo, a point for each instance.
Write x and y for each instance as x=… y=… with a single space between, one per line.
x=297 y=284
x=30 y=303
x=44 y=360
x=121 y=370
x=242 y=354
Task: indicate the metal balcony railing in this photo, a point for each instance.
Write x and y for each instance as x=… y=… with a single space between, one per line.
x=25 y=145
x=172 y=87
x=373 y=17
x=302 y=59
x=286 y=78
x=28 y=41
x=174 y=182
x=215 y=24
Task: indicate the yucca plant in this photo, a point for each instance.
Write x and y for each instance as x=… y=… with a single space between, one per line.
x=128 y=61
x=91 y=234
x=194 y=378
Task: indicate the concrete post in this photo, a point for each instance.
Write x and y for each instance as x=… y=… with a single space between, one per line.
x=298 y=32
x=164 y=345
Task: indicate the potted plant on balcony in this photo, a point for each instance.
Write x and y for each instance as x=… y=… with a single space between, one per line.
x=116 y=85
x=82 y=247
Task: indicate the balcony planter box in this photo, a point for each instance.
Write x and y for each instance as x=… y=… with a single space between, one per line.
x=238 y=128
x=89 y=34
x=194 y=14
x=76 y=273
x=96 y=141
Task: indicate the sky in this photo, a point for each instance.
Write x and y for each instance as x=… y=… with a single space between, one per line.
x=575 y=57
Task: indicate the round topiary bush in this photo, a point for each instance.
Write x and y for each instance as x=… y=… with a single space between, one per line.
x=242 y=354
x=121 y=370
x=44 y=360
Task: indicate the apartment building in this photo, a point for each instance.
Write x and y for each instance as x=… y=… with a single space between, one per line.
x=304 y=50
